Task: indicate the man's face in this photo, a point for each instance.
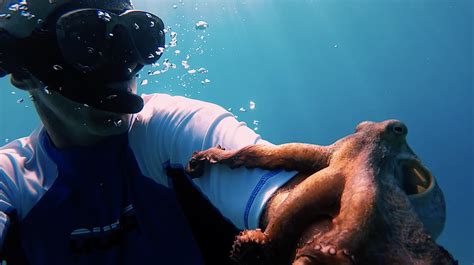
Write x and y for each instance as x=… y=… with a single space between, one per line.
x=63 y=111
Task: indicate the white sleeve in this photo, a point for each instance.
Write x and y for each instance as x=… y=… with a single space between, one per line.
x=175 y=127
x=4 y=222
x=7 y=191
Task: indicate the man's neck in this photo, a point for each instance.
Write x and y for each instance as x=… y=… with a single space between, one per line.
x=62 y=134
x=64 y=137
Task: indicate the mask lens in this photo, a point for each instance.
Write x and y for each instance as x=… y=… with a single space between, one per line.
x=146 y=31
x=82 y=37
x=105 y=48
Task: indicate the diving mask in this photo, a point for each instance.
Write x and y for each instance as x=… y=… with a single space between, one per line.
x=84 y=53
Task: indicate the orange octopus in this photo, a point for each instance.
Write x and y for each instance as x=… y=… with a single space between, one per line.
x=365 y=199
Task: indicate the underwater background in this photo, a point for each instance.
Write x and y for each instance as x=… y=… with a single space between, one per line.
x=310 y=71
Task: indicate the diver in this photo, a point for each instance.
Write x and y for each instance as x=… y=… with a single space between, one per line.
x=90 y=185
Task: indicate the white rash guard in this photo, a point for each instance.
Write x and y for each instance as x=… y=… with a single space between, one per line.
x=164 y=134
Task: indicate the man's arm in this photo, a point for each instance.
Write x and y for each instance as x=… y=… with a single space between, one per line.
x=170 y=129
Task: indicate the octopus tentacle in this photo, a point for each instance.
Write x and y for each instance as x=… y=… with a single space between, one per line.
x=294 y=156
x=251 y=247
x=312 y=198
x=350 y=226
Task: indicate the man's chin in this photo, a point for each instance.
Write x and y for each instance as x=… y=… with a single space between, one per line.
x=111 y=125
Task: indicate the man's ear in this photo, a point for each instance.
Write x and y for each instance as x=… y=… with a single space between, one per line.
x=25 y=81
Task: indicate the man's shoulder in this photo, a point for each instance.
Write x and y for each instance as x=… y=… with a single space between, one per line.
x=158 y=103
x=19 y=152
x=17 y=160
x=25 y=172
x=167 y=111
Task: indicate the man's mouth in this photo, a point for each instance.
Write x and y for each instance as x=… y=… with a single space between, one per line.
x=120 y=97
x=125 y=86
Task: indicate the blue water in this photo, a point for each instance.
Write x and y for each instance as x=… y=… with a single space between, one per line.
x=315 y=69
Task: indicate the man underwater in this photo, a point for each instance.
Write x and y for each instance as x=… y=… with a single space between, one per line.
x=90 y=185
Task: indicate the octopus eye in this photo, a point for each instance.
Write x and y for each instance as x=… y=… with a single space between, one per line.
x=399 y=128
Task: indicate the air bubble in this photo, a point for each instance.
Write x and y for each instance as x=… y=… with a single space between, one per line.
x=118 y=123
x=57 y=67
x=252 y=105
x=201 y=25
x=157 y=72
x=185 y=64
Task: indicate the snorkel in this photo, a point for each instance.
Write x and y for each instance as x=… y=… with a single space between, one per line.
x=88 y=51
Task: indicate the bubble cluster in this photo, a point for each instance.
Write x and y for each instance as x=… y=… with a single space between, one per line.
x=104 y=16
x=22 y=8
x=174 y=39
x=5 y=16
x=180 y=73
x=205 y=81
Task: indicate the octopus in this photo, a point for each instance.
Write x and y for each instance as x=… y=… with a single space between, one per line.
x=365 y=199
